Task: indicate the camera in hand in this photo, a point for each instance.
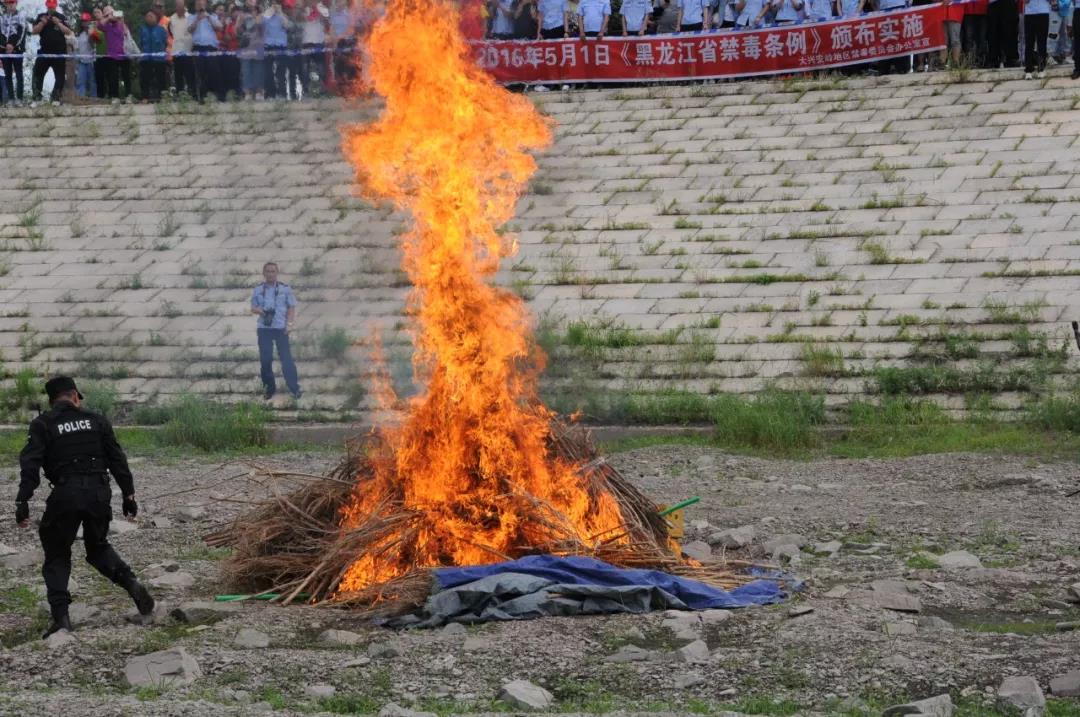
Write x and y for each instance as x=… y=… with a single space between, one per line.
x=268 y=316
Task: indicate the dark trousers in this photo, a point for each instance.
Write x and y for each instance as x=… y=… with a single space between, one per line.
x=80 y=500
x=99 y=77
x=1003 y=30
x=554 y=33
x=151 y=79
x=315 y=62
x=973 y=36
x=345 y=60
x=295 y=67
x=116 y=72
x=207 y=73
x=274 y=72
x=1076 y=40
x=184 y=74
x=230 y=76
x=42 y=65
x=13 y=77
x=267 y=339
x=1036 y=28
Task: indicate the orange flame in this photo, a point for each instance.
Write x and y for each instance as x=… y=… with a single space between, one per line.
x=470 y=456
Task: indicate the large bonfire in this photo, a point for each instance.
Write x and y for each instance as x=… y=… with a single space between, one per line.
x=476 y=470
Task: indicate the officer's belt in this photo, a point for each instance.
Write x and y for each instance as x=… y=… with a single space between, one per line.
x=84 y=480
x=92 y=469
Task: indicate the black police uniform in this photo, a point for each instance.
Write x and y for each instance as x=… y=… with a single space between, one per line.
x=76 y=447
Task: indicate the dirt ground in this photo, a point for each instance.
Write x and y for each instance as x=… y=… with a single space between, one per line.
x=974 y=626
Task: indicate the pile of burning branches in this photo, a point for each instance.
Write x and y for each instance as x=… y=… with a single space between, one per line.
x=294 y=544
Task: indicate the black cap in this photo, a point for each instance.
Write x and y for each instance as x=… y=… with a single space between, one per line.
x=60 y=384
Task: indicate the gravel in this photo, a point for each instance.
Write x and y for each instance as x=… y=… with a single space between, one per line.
x=970 y=634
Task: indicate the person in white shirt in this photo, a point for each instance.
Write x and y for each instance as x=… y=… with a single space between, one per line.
x=555 y=19
x=316 y=18
x=787 y=11
x=183 y=62
x=502 y=27
x=635 y=14
x=751 y=13
x=693 y=15
x=593 y=18
x=818 y=10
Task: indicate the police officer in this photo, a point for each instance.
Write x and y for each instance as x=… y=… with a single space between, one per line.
x=76 y=447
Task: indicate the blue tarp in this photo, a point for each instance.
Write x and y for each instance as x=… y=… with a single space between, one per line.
x=589 y=571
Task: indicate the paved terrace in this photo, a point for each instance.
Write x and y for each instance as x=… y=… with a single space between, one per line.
x=711 y=238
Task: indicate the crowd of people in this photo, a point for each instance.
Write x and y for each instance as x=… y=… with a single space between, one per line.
x=980 y=33
x=293 y=49
x=289 y=49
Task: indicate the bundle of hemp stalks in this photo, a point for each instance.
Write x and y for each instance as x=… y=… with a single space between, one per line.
x=292 y=544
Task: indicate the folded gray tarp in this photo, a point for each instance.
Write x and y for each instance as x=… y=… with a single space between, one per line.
x=517 y=596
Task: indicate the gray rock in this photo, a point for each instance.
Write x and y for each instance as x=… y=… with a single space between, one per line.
x=476 y=644
x=898 y=602
x=59 y=639
x=930 y=622
x=700 y=526
x=1024 y=694
x=801 y=488
x=696 y=653
x=896 y=629
x=698 y=550
x=166 y=668
x=250 y=639
x=1074 y=592
x=689 y=679
x=6 y=550
x=685 y=625
x=1067 y=626
x=940 y=706
x=340 y=637
x=23 y=559
x=120 y=526
x=898 y=662
x=901 y=587
x=630 y=653
x=795 y=539
x=175 y=581
x=734 y=537
x=160 y=521
x=188 y=513
x=455 y=629
x=837 y=592
x=319 y=692
x=958 y=560
x=715 y=617
x=382 y=650
x=1067 y=685
x=80 y=612
x=200 y=612
x=800 y=610
x=788 y=553
x=526 y=696
x=395 y=710
x=830 y=548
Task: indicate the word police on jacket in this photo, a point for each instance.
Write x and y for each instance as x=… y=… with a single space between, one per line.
x=71 y=426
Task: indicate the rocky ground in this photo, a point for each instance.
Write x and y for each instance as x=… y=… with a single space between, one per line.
x=923 y=577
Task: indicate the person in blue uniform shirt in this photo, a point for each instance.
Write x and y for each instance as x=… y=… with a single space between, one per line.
x=275 y=305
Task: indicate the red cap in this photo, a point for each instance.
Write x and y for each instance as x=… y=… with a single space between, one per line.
x=51 y=4
x=286 y=3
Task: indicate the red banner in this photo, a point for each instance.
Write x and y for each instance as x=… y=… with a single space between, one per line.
x=743 y=53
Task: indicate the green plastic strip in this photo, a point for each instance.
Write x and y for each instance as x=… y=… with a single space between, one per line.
x=679 y=506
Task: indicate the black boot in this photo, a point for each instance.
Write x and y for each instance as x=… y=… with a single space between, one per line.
x=144 y=602
x=60 y=621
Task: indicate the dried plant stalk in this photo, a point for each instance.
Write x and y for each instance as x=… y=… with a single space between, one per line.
x=292 y=544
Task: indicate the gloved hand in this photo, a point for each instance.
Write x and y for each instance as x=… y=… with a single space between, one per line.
x=130 y=507
x=22 y=512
